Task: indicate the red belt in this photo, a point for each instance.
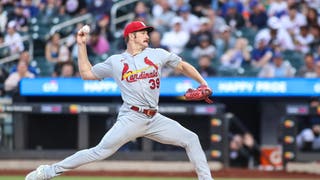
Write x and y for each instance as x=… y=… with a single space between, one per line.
x=148 y=112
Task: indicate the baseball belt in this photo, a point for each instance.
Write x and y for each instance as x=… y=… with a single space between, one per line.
x=147 y=112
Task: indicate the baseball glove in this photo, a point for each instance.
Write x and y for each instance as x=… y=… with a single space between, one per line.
x=203 y=92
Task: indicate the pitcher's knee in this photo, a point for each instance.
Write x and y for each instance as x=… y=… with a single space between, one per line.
x=192 y=139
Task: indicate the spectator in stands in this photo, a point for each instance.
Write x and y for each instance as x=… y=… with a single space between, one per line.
x=276 y=32
x=30 y=8
x=216 y=21
x=176 y=39
x=261 y=54
x=3 y=19
x=5 y=50
x=250 y=145
x=225 y=40
x=315 y=31
x=294 y=20
x=313 y=3
x=277 y=68
x=62 y=15
x=318 y=69
x=308 y=69
x=177 y=4
x=205 y=30
x=199 y=7
x=98 y=43
x=13 y=39
x=277 y=8
x=141 y=13
x=204 y=48
x=316 y=53
x=312 y=16
x=234 y=57
x=56 y=53
x=190 y=22
x=18 y=17
x=1 y=38
x=238 y=156
x=155 y=40
x=8 y=4
x=3 y=76
x=309 y=138
x=233 y=17
x=258 y=17
x=67 y=70
x=205 y=66
x=12 y=82
x=103 y=27
x=100 y=7
x=75 y=7
x=25 y=57
x=303 y=40
x=231 y=3
x=52 y=48
x=162 y=16
x=48 y=10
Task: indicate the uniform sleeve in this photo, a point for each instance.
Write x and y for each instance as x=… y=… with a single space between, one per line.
x=103 y=69
x=169 y=59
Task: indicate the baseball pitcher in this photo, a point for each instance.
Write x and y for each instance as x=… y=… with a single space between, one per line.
x=137 y=72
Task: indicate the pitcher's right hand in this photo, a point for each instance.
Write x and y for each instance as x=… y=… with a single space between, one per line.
x=83 y=35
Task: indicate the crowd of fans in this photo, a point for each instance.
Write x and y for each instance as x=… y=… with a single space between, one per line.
x=217 y=36
x=275 y=38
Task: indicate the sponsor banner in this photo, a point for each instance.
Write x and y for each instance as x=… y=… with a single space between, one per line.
x=16 y=108
x=173 y=109
x=298 y=109
x=271 y=158
x=175 y=87
x=76 y=108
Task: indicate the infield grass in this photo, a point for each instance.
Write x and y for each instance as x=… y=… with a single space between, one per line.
x=131 y=178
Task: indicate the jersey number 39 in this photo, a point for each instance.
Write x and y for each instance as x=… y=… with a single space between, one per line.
x=154 y=83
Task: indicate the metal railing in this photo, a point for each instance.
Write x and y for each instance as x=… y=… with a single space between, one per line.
x=85 y=17
x=16 y=56
x=116 y=20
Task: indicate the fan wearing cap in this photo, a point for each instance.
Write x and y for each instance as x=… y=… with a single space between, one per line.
x=275 y=31
x=137 y=73
x=277 y=68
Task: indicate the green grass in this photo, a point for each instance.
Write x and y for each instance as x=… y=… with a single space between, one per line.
x=127 y=178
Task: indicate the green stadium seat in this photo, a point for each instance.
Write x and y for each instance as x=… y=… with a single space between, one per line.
x=227 y=72
x=186 y=54
x=46 y=68
x=249 y=33
x=295 y=58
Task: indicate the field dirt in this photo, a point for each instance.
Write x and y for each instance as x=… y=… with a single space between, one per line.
x=226 y=173
x=149 y=169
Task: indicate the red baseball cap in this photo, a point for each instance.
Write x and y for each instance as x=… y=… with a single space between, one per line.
x=136 y=26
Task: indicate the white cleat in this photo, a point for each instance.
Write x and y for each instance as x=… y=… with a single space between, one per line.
x=38 y=174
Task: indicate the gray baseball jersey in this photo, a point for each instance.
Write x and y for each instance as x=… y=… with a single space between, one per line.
x=138 y=78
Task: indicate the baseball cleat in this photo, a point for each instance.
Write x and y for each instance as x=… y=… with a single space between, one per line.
x=38 y=174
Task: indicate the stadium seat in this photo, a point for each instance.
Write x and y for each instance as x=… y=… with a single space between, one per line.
x=46 y=68
x=248 y=33
x=227 y=72
x=186 y=55
x=295 y=58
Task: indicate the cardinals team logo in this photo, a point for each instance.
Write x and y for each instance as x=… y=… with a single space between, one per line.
x=132 y=76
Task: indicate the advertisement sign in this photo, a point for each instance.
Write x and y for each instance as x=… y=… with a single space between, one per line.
x=226 y=87
x=271 y=158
